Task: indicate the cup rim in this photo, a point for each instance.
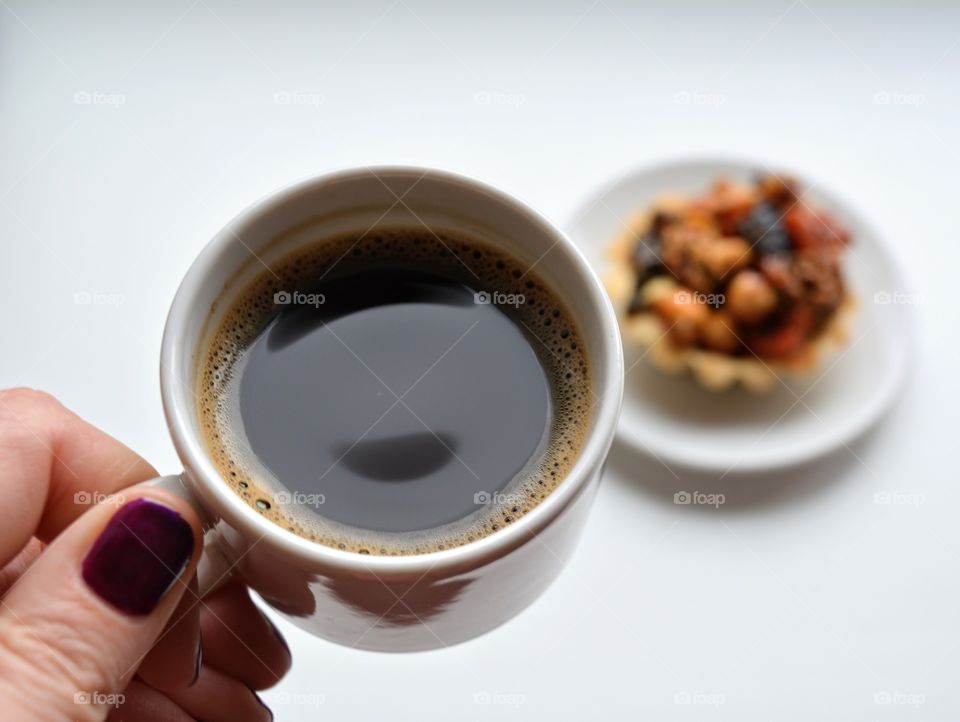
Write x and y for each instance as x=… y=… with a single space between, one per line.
x=217 y=497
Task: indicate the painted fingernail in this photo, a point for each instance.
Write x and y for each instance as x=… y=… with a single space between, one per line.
x=138 y=556
x=261 y=702
x=196 y=674
x=276 y=633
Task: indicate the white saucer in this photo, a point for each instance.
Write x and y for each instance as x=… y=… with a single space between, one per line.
x=675 y=420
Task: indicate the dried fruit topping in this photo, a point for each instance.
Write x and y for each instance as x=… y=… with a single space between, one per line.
x=730 y=203
x=661 y=220
x=779 y=191
x=786 y=339
x=717 y=333
x=750 y=297
x=742 y=268
x=814 y=231
x=649 y=246
x=722 y=256
x=681 y=257
x=778 y=270
x=730 y=217
x=822 y=282
x=646 y=255
x=684 y=314
x=763 y=229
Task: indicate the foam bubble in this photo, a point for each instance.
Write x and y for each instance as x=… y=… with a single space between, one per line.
x=542 y=316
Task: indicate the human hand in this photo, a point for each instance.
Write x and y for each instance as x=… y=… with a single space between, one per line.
x=99 y=613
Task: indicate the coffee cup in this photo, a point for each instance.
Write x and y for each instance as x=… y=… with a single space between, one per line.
x=369 y=601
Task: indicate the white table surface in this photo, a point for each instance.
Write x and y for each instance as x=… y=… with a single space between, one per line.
x=130 y=132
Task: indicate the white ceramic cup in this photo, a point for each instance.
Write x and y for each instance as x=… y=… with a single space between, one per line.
x=388 y=603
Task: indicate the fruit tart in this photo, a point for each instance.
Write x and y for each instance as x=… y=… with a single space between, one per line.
x=740 y=285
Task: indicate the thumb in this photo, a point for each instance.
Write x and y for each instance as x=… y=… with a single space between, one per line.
x=76 y=625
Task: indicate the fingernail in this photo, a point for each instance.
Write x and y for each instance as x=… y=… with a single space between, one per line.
x=138 y=556
x=196 y=674
x=276 y=633
x=261 y=702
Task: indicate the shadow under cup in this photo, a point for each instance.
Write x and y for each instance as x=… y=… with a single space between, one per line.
x=386 y=602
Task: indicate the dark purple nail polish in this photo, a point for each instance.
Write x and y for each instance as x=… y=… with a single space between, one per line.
x=196 y=674
x=276 y=633
x=261 y=702
x=138 y=556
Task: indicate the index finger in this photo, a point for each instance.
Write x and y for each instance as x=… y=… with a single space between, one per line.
x=54 y=465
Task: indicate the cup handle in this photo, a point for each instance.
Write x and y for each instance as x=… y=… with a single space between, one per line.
x=214 y=569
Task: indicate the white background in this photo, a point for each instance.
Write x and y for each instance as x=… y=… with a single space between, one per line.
x=800 y=598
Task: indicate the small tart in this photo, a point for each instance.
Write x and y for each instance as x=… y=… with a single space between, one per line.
x=714 y=370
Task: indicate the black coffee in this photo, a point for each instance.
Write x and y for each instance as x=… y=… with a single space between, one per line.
x=398 y=392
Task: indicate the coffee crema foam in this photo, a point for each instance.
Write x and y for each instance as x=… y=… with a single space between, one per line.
x=541 y=316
